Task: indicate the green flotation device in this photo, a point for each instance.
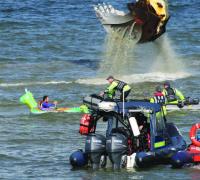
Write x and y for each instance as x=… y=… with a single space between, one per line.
x=28 y=99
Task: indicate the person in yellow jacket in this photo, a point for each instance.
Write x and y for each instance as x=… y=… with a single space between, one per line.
x=117 y=85
x=173 y=95
x=160 y=99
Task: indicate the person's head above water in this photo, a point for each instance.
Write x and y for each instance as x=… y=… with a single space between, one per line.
x=45 y=98
x=158 y=89
x=166 y=84
x=110 y=79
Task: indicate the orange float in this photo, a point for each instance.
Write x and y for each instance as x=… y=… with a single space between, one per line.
x=193 y=132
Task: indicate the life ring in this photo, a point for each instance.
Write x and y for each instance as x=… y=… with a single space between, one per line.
x=193 y=132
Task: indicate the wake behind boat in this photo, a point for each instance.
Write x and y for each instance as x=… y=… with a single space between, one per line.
x=30 y=101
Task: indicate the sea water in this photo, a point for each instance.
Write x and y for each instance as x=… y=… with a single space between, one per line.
x=57 y=48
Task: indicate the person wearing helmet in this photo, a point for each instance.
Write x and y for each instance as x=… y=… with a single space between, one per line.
x=159 y=98
x=117 y=85
x=173 y=95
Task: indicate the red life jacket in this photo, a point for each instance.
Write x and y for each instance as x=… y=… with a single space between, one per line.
x=158 y=94
x=159 y=98
x=87 y=124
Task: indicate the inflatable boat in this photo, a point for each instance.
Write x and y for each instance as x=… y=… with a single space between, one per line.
x=192 y=155
x=30 y=101
x=140 y=135
x=145 y=21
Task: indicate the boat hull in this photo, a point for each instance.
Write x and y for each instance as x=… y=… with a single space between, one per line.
x=142 y=159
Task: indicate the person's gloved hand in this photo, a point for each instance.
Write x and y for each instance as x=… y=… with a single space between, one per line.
x=101 y=94
x=180 y=104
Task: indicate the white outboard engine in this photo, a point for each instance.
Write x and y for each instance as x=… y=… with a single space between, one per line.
x=116 y=147
x=95 y=147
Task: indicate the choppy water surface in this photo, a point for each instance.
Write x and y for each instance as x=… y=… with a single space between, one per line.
x=59 y=48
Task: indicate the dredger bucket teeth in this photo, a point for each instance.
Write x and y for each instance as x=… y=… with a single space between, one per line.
x=117 y=21
x=110 y=16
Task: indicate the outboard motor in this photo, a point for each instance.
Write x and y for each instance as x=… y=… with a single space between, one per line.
x=95 y=147
x=116 y=147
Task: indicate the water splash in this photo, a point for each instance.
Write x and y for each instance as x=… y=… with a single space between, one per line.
x=166 y=58
x=117 y=56
x=137 y=78
x=124 y=57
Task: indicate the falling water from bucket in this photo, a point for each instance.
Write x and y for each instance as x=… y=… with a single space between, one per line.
x=135 y=63
x=117 y=56
x=124 y=57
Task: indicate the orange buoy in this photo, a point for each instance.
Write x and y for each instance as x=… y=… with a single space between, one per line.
x=192 y=134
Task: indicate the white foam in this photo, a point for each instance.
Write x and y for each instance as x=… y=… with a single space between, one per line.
x=138 y=78
x=196 y=167
x=32 y=83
